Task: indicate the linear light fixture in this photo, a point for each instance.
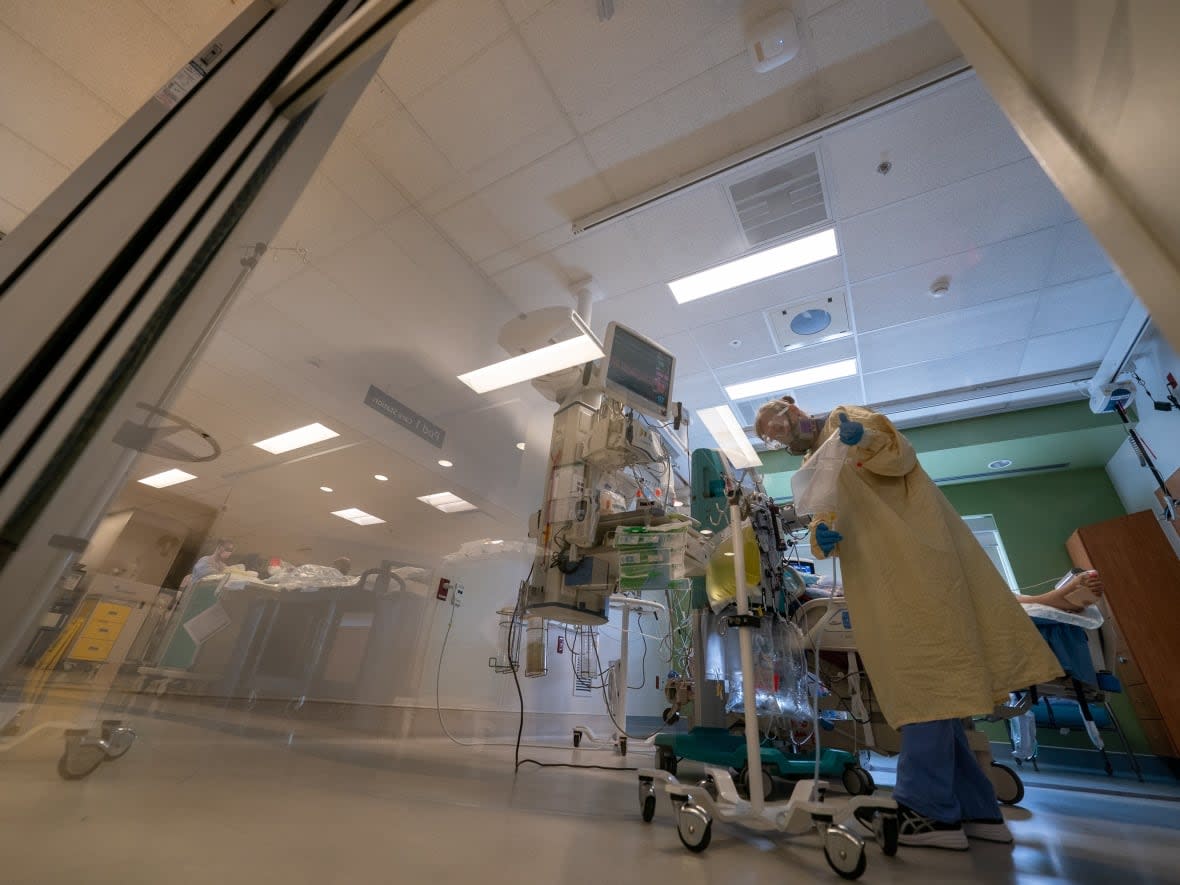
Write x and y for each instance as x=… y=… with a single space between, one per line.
x=788 y=380
x=758 y=266
x=447 y=502
x=582 y=348
x=297 y=438
x=353 y=514
x=167 y=478
x=723 y=424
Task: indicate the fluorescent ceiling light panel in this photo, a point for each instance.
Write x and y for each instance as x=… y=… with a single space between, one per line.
x=447 y=502
x=759 y=266
x=534 y=364
x=167 y=478
x=297 y=438
x=352 y=514
x=723 y=424
x=788 y=380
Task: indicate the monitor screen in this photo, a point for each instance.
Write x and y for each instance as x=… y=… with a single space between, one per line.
x=803 y=566
x=638 y=371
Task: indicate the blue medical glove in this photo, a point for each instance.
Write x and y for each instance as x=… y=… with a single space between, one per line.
x=826 y=539
x=851 y=432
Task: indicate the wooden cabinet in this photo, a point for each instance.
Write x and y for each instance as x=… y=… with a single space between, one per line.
x=1142 y=576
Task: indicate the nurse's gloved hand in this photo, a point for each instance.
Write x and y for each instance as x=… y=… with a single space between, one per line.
x=826 y=539
x=851 y=432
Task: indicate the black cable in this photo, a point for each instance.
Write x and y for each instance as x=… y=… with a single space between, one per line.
x=643 y=664
x=609 y=712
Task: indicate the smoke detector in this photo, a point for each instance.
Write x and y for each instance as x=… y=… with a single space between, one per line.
x=940 y=286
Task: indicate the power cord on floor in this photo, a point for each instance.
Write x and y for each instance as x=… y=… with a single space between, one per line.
x=517 y=761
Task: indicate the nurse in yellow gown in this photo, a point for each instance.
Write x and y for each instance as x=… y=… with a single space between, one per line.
x=941 y=634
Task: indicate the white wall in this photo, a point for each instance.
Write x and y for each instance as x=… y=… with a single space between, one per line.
x=1154 y=359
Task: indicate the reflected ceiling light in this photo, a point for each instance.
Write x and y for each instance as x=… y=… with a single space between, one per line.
x=677 y=503
x=706 y=531
x=1000 y=464
x=723 y=424
x=380 y=477
x=443 y=462
x=353 y=514
x=325 y=488
x=582 y=348
x=729 y=553
x=498 y=541
x=759 y=266
x=520 y=446
x=167 y=478
x=296 y=439
x=447 y=502
x=788 y=380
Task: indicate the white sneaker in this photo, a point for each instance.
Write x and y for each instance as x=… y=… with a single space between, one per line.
x=988 y=831
x=920 y=831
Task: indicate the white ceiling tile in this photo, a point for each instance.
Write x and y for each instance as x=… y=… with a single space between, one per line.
x=323 y=220
x=195 y=23
x=349 y=169
x=738 y=339
x=611 y=255
x=697 y=391
x=789 y=361
x=984 y=209
x=277 y=265
x=600 y=70
x=48 y=107
x=27 y=176
x=490 y=104
x=375 y=105
x=689 y=360
x=1090 y=302
x=403 y=153
x=938 y=139
x=940 y=337
x=960 y=371
x=554 y=190
x=528 y=249
x=10 y=216
x=536 y=284
x=436 y=42
x=474 y=229
x=122 y=54
x=651 y=310
x=1067 y=350
x=522 y=9
x=854 y=27
x=978 y=276
x=690 y=231
x=668 y=136
x=1078 y=255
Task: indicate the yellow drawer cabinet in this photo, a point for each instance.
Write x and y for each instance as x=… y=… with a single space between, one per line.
x=104 y=623
x=91 y=649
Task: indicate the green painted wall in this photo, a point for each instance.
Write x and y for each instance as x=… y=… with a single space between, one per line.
x=1035 y=515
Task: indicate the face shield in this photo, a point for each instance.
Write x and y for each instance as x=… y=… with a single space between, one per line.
x=783 y=424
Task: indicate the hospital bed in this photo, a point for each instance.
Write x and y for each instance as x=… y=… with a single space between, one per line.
x=1081 y=698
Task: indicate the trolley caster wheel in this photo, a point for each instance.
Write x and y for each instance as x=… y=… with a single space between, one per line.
x=647 y=799
x=886 y=828
x=767 y=785
x=695 y=827
x=117 y=738
x=845 y=853
x=709 y=785
x=857 y=781
x=666 y=760
x=577 y=738
x=82 y=755
x=670 y=716
x=649 y=809
x=1007 y=783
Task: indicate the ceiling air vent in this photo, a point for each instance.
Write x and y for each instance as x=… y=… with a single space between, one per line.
x=780 y=202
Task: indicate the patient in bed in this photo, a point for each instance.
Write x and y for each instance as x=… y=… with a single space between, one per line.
x=1072 y=594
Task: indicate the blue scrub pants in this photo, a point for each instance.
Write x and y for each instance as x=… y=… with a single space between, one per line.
x=939 y=777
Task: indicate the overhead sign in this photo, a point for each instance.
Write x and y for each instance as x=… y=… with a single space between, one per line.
x=405 y=416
